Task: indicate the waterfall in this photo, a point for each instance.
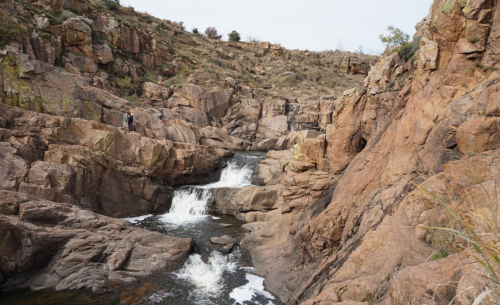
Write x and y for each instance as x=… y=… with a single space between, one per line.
x=189 y=203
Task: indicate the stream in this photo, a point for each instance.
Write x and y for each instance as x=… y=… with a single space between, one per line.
x=210 y=278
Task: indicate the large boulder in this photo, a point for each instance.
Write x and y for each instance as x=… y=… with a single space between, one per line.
x=478 y=135
x=78 y=36
x=14 y=168
x=272 y=127
x=230 y=201
x=156 y=92
x=70 y=248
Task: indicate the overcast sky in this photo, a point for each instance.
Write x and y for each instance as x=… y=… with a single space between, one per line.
x=297 y=24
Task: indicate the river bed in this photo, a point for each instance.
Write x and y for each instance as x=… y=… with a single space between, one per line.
x=206 y=277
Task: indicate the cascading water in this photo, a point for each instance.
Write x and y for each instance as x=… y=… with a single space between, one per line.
x=209 y=278
x=214 y=279
x=189 y=203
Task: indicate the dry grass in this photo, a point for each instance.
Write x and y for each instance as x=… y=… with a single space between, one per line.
x=478 y=228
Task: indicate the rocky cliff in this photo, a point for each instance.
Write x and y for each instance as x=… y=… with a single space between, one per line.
x=430 y=119
x=334 y=215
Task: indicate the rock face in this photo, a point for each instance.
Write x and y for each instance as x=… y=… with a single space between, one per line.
x=97 y=166
x=355 y=239
x=70 y=248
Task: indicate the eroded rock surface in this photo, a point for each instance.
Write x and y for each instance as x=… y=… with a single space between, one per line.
x=56 y=245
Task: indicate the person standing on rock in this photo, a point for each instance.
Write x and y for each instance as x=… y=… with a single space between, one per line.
x=131 y=122
x=160 y=117
x=125 y=121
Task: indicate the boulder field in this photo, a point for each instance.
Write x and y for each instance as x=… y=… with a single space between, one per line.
x=334 y=214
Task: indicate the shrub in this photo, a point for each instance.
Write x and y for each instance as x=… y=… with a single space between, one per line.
x=253 y=39
x=234 y=36
x=212 y=33
x=184 y=72
x=125 y=86
x=473 y=39
x=113 y=5
x=396 y=37
x=195 y=31
x=477 y=63
x=73 y=9
x=10 y=30
x=406 y=51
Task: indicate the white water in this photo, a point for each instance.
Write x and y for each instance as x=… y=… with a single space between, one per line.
x=189 y=206
x=189 y=203
x=137 y=219
x=233 y=176
x=254 y=287
x=207 y=277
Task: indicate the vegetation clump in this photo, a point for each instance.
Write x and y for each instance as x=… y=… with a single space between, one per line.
x=234 y=36
x=10 y=30
x=407 y=50
x=473 y=39
x=396 y=37
x=212 y=33
x=113 y=5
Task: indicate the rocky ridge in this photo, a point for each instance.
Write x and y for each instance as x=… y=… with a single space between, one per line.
x=350 y=225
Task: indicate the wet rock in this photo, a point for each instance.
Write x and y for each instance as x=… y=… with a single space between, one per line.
x=222 y=240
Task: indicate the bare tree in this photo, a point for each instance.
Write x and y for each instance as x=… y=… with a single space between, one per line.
x=339 y=46
x=253 y=39
x=360 y=49
x=212 y=33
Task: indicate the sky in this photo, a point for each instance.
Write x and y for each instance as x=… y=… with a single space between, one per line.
x=315 y=25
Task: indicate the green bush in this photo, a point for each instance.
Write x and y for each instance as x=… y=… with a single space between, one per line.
x=234 y=36
x=396 y=37
x=74 y=10
x=184 y=72
x=10 y=30
x=113 y=5
x=407 y=50
x=195 y=31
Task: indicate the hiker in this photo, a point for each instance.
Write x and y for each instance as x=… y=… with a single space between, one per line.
x=131 y=122
x=125 y=121
x=160 y=117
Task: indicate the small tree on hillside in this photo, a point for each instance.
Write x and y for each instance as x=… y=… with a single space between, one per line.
x=234 y=36
x=396 y=37
x=360 y=49
x=113 y=5
x=195 y=31
x=212 y=33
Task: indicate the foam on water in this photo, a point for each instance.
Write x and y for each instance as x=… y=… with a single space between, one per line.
x=137 y=219
x=254 y=287
x=233 y=176
x=207 y=277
